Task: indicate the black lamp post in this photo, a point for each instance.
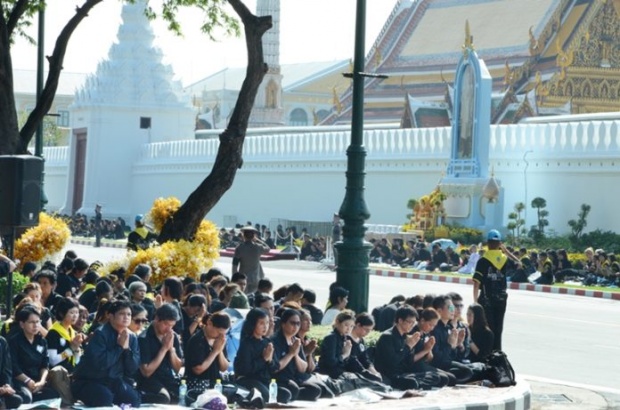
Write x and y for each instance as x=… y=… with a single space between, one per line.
x=354 y=252
x=38 y=147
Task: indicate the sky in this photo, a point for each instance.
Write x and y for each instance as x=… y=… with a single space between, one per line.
x=311 y=30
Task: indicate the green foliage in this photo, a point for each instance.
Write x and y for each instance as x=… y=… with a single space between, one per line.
x=19 y=281
x=537 y=232
x=580 y=223
x=607 y=240
x=214 y=11
x=515 y=226
x=319 y=333
x=52 y=135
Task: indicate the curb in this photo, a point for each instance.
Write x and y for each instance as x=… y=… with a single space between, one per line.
x=89 y=242
x=516 y=286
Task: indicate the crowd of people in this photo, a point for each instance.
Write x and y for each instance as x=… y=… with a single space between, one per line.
x=114 y=339
x=81 y=225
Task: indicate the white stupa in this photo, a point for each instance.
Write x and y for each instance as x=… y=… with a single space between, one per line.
x=131 y=100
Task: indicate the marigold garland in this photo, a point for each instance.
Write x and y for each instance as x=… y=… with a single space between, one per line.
x=42 y=241
x=173 y=258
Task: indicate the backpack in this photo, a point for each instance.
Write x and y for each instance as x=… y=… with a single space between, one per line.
x=499 y=370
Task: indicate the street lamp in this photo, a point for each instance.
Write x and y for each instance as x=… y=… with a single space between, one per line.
x=353 y=252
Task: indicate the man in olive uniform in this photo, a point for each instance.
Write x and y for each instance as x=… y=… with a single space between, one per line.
x=490 y=285
x=247 y=258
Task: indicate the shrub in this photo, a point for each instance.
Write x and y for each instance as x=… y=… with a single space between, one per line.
x=577 y=260
x=19 y=281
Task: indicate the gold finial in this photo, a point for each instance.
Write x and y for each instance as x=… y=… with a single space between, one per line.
x=336 y=101
x=378 y=57
x=469 y=40
x=507 y=74
x=534 y=49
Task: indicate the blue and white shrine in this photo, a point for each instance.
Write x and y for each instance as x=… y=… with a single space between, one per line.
x=472 y=198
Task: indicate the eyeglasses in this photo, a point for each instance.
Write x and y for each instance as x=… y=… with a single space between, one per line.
x=141 y=321
x=294 y=323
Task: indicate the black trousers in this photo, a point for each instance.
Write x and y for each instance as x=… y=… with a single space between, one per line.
x=495 y=312
x=10 y=401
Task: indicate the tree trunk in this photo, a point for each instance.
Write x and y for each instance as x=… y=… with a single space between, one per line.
x=9 y=130
x=229 y=155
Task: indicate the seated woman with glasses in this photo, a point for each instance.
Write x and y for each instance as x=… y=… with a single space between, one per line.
x=139 y=319
x=30 y=358
x=291 y=372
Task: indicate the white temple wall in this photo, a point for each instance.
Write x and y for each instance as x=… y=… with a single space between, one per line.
x=302 y=176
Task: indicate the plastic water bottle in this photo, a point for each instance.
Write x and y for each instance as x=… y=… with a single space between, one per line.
x=182 y=392
x=218 y=386
x=273 y=391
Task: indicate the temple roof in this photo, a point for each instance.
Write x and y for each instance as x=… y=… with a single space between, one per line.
x=421 y=43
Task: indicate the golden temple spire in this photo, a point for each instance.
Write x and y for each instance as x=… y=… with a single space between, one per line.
x=469 y=39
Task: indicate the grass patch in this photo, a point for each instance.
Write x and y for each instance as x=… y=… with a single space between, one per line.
x=597 y=288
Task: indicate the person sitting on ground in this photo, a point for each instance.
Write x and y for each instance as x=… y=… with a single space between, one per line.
x=137 y=295
x=454 y=262
x=171 y=292
x=102 y=291
x=87 y=297
x=269 y=240
x=46 y=278
x=338 y=299
x=161 y=358
x=481 y=344
x=337 y=361
x=427 y=375
x=265 y=301
x=399 y=254
x=294 y=293
x=28 y=270
x=447 y=342
x=33 y=291
x=239 y=299
x=81 y=324
x=255 y=361
x=360 y=358
x=545 y=268
x=139 y=319
x=308 y=301
x=438 y=257
x=393 y=352
x=64 y=348
x=140 y=237
x=376 y=313
x=141 y=273
x=291 y=373
x=216 y=285
x=71 y=283
x=265 y=286
x=194 y=308
x=29 y=358
x=458 y=323
x=308 y=344
x=205 y=353
x=104 y=375
x=9 y=399
x=226 y=296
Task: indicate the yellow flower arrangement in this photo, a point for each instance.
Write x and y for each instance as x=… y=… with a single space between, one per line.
x=163 y=208
x=173 y=258
x=42 y=241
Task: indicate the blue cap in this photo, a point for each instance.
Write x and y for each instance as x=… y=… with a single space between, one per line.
x=139 y=218
x=494 y=235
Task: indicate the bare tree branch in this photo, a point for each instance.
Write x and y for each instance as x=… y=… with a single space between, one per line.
x=55 y=67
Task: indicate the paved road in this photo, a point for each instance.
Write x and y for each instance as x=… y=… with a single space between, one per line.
x=560 y=337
